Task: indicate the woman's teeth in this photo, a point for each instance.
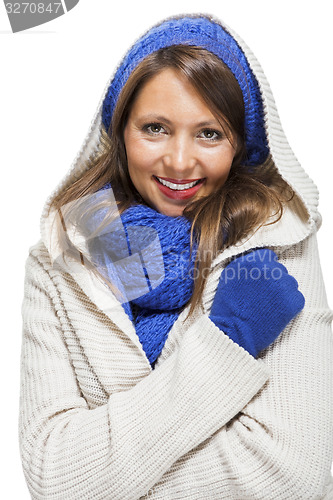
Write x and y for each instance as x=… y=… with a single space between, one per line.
x=177 y=187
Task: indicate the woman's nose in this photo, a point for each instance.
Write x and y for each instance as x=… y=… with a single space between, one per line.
x=180 y=155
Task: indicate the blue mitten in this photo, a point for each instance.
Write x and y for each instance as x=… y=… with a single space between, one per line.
x=255 y=300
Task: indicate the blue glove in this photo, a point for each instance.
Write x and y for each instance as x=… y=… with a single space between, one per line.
x=255 y=300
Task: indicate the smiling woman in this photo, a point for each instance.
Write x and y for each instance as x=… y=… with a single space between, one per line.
x=177 y=339
x=190 y=88
x=172 y=155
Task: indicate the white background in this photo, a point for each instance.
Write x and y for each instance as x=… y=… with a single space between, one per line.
x=52 y=78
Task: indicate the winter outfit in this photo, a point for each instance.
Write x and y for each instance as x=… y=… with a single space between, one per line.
x=123 y=399
x=154 y=290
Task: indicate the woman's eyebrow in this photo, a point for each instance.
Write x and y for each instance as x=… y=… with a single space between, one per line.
x=206 y=123
x=154 y=117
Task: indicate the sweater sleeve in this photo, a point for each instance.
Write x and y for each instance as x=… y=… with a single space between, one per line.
x=121 y=449
x=280 y=445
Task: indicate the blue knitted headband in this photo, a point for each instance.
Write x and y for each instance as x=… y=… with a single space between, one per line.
x=202 y=32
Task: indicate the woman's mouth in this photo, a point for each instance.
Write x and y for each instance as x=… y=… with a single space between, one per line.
x=178 y=189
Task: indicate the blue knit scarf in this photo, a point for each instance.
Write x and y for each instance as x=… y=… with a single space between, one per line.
x=146 y=256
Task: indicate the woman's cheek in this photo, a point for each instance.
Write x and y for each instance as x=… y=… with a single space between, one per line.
x=144 y=153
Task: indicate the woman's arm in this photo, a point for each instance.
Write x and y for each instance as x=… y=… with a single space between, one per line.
x=280 y=445
x=123 y=448
x=273 y=443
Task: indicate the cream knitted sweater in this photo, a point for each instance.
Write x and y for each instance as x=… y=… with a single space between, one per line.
x=210 y=421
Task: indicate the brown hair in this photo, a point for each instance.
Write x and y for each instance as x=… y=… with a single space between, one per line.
x=248 y=199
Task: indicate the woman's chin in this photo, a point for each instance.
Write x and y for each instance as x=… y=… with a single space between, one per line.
x=172 y=210
x=165 y=207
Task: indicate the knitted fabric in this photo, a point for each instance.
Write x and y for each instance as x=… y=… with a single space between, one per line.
x=97 y=423
x=255 y=300
x=207 y=34
x=210 y=421
x=146 y=255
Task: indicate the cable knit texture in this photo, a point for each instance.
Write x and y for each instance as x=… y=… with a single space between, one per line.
x=210 y=421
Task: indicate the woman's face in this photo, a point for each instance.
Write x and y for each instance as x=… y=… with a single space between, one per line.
x=176 y=149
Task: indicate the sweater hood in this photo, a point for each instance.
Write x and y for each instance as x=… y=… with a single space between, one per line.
x=265 y=138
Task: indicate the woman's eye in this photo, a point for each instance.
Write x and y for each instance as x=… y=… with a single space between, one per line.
x=210 y=134
x=154 y=128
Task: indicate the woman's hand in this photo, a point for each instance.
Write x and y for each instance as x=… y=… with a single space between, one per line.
x=255 y=300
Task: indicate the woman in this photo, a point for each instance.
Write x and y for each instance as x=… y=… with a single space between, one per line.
x=177 y=338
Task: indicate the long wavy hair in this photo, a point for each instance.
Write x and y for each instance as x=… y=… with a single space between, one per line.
x=251 y=196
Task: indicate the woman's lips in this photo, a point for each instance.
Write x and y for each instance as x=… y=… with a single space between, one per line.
x=182 y=194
